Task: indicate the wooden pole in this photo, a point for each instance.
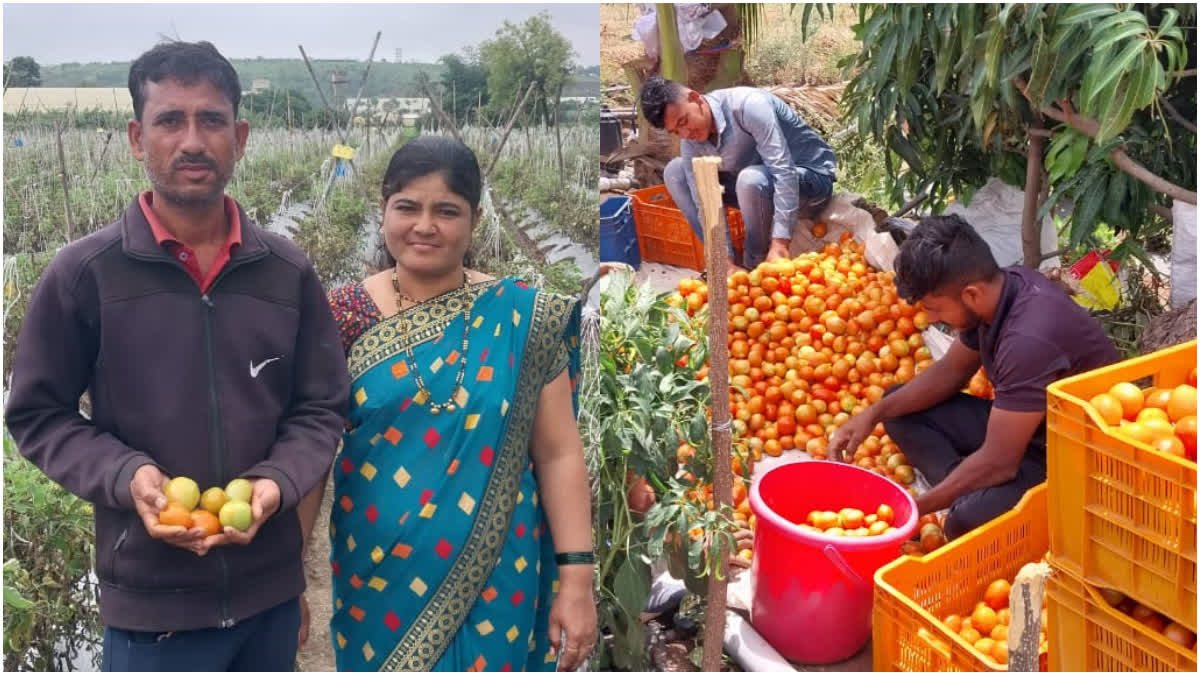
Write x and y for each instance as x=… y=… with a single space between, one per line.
x=321 y=92
x=562 y=175
x=439 y=112
x=712 y=216
x=362 y=85
x=507 y=129
x=66 y=183
x=1031 y=227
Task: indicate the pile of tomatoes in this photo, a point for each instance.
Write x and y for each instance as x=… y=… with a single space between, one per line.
x=850 y=522
x=812 y=341
x=1164 y=419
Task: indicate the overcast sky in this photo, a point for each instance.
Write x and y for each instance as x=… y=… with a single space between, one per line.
x=423 y=32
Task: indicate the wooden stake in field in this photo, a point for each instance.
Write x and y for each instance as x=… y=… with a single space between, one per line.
x=66 y=181
x=712 y=217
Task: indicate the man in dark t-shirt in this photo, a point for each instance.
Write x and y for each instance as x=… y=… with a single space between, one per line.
x=980 y=456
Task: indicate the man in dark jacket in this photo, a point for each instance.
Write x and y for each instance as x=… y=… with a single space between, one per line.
x=208 y=350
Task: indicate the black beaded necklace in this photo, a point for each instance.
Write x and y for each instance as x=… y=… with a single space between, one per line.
x=449 y=405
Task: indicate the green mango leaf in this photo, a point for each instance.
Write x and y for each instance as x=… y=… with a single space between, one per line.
x=1118 y=66
x=1115 y=197
x=967 y=28
x=1119 y=113
x=1169 y=19
x=1123 y=32
x=1082 y=13
x=994 y=51
x=1101 y=29
x=1086 y=209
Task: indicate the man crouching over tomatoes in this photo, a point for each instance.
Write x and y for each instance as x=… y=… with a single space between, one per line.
x=980 y=456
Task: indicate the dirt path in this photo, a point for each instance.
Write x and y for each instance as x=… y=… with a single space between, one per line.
x=317 y=654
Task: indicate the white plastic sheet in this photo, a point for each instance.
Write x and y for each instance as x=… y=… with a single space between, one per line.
x=695 y=21
x=995 y=213
x=1183 y=254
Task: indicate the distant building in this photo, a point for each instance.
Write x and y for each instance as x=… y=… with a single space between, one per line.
x=393 y=105
x=45 y=99
x=260 y=84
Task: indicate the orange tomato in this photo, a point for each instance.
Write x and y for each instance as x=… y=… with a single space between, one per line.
x=1130 y=398
x=175 y=515
x=997 y=593
x=1185 y=430
x=206 y=521
x=1182 y=402
x=1157 y=398
x=1108 y=408
x=984 y=619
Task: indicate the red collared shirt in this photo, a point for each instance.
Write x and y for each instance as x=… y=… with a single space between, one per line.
x=184 y=254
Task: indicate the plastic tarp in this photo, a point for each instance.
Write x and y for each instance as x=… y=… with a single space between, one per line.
x=1183 y=254
x=995 y=213
x=696 y=22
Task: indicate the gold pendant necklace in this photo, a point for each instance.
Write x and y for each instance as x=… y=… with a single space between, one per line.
x=449 y=405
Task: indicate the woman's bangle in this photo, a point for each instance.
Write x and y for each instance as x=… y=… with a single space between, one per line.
x=575 y=558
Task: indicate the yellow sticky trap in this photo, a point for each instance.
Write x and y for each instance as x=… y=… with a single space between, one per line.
x=342 y=151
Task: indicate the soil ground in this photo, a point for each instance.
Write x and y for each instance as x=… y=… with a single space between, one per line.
x=317 y=653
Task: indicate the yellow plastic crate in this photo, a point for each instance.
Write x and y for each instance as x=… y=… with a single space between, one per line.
x=1122 y=515
x=1087 y=635
x=912 y=594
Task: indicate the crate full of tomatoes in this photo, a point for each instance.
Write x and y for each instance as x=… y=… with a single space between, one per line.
x=1121 y=449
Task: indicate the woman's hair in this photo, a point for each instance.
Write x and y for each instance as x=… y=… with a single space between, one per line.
x=942 y=253
x=425 y=156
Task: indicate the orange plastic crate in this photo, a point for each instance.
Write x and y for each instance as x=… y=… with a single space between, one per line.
x=1087 y=635
x=913 y=593
x=1121 y=514
x=664 y=234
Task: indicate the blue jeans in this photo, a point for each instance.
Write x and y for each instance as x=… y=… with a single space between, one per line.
x=266 y=642
x=752 y=191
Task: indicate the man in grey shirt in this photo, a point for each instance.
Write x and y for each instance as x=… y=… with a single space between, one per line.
x=774 y=167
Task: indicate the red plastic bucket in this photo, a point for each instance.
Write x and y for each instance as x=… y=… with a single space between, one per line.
x=812 y=592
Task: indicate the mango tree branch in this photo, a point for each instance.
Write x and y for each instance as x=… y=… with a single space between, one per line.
x=1183 y=121
x=1066 y=115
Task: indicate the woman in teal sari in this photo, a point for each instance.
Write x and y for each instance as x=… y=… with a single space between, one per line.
x=460 y=526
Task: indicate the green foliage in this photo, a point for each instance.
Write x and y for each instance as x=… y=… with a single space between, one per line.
x=22 y=71
x=21 y=272
x=938 y=87
x=465 y=83
x=332 y=237
x=636 y=403
x=860 y=169
x=50 y=611
x=532 y=176
x=276 y=106
x=531 y=52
